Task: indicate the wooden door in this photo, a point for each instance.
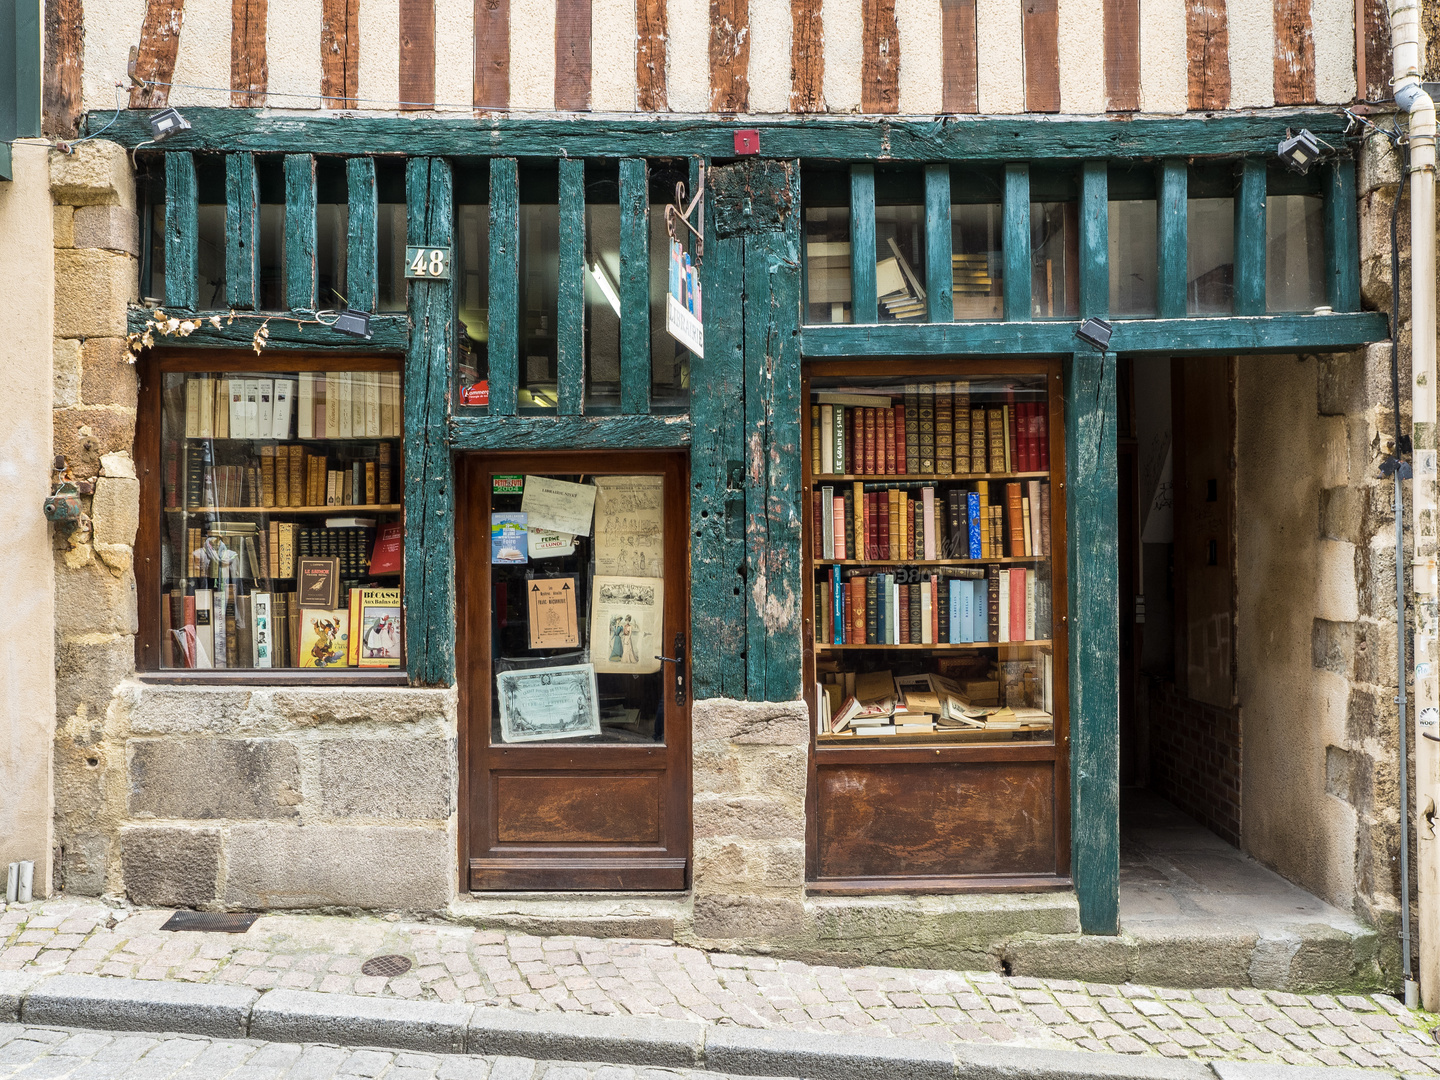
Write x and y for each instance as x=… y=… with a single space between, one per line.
x=606 y=810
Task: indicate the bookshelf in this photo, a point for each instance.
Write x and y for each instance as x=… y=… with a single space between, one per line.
x=281 y=531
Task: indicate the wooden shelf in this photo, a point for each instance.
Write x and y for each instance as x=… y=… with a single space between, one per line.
x=943 y=646
x=338 y=511
x=931 y=562
x=822 y=479
x=290 y=438
x=952 y=736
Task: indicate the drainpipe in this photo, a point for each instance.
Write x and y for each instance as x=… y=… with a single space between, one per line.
x=1405 y=63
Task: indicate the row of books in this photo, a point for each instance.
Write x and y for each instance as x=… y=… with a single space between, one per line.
x=899 y=521
x=313 y=405
x=242 y=551
x=876 y=703
x=282 y=475
x=935 y=429
x=231 y=626
x=950 y=607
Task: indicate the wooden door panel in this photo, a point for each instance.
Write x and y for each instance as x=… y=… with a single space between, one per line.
x=588 y=809
x=936 y=819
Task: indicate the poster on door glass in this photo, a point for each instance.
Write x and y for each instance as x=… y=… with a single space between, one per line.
x=540 y=704
x=625 y=622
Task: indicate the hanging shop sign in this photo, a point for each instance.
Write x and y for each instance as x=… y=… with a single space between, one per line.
x=682 y=302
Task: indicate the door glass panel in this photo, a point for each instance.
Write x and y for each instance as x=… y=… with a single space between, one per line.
x=577 y=600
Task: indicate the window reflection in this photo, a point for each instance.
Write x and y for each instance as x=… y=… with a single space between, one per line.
x=1294 y=252
x=1210 y=256
x=1132 y=257
x=977 y=264
x=1054 y=260
x=900 y=262
x=827 y=264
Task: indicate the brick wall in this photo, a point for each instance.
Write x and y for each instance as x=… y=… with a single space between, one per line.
x=1195 y=758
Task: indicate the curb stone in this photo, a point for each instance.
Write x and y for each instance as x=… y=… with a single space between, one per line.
x=85 y=1001
x=89 y=1001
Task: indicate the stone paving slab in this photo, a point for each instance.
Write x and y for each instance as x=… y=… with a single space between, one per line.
x=459 y=965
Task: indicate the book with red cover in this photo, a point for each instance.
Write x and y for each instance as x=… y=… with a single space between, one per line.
x=869 y=468
x=817 y=527
x=1044 y=518
x=889 y=441
x=1017 y=604
x=901 y=447
x=837 y=509
x=1044 y=432
x=935 y=608
x=857 y=611
x=1014 y=519
x=388 y=554
x=872 y=525
x=1035 y=413
x=904 y=620
x=882 y=502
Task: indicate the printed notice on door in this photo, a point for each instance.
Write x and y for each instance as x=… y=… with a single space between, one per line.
x=553 y=624
x=630 y=526
x=626 y=617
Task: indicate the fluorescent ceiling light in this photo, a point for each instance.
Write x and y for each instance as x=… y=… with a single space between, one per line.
x=602 y=279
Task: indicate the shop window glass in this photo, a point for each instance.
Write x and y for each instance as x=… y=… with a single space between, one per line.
x=539 y=285
x=929 y=541
x=472 y=286
x=900 y=262
x=332 y=242
x=669 y=360
x=210 y=266
x=1054 y=260
x=390 y=253
x=1210 y=256
x=281 y=537
x=602 y=298
x=977 y=261
x=827 y=264
x=1294 y=252
x=1132 y=257
x=577 y=617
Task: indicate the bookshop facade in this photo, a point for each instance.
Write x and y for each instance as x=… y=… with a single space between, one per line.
x=492 y=585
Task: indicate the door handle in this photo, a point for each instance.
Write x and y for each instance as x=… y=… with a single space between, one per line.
x=679 y=661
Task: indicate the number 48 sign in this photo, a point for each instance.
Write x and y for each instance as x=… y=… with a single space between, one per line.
x=427 y=263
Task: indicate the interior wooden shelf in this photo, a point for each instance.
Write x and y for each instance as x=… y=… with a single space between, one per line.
x=931 y=562
x=942 y=646
x=824 y=478
x=339 y=511
x=291 y=438
x=955 y=735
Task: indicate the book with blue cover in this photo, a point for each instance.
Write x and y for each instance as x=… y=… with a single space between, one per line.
x=972 y=516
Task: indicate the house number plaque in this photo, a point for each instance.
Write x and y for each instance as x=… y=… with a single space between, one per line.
x=427 y=263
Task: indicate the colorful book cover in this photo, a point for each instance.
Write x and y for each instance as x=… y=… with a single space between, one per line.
x=324 y=637
x=972 y=513
x=380 y=628
x=509 y=541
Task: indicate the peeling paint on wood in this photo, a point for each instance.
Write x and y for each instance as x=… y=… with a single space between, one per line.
x=155 y=58
x=300 y=269
x=570 y=432
x=570 y=301
x=1172 y=239
x=960 y=92
x=651 y=39
x=864 y=303
x=1207 y=40
x=749 y=197
x=1250 y=239
x=388 y=334
x=361 y=260
x=1342 y=240
x=939 y=275
x=1016 y=208
x=1294 y=53
x=249 y=68
x=880 y=57
x=242 y=233
x=729 y=55
x=1094 y=239
x=634 y=286
x=807 y=56
x=504 y=350
x=339 y=53
x=182 y=232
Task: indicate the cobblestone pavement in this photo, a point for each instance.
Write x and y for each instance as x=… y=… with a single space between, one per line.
x=652 y=978
x=32 y=1053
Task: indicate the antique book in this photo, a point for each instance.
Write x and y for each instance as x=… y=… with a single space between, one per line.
x=905 y=614
x=827 y=522
x=827 y=440
x=887 y=441
x=814 y=440
x=912 y=428
x=856 y=498
x=927 y=427
x=1017 y=603
x=1015 y=520
x=870 y=442
x=944 y=429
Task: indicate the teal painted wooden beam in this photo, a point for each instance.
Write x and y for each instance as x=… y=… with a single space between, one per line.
x=1092 y=564
x=1263 y=333
x=1342 y=241
x=570 y=433
x=182 y=232
x=388 y=334
x=717 y=496
x=242 y=232
x=1016 y=242
x=1172 y=238
x=1094 y=240
x=859 y=138
x=634 y=286
x=939 y=278
x=775 y=439
x=504 y=302
x=570 y=301
x=1250 y=239
x=362 y=266
x=863 y=305
x=300 y=270
x=429 y=488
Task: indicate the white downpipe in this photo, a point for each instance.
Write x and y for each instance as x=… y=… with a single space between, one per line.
x=1405 y=38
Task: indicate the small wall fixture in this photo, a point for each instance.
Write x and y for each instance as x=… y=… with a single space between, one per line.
x=354 y=323
x=165 y=123
x=1096 y=331
x=1300 y=151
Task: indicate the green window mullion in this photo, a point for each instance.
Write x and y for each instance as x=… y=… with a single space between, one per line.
x=182 y=231
x=1094 y=239
x=504 y=302
x=300 y=271
x=1250 y=239
x=361 y=260
x=939 y=274
x=863 y=301
x=1016 y=242
x=570 y=313
x=1342 y=244
x=1172 y=238
x=634 y=286
x=242 y=233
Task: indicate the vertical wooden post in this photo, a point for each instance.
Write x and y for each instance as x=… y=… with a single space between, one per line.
x=772 y=456
x=429 y=490
x=939 y=245
x=1016 y=242
x=1172 y=238
x=1342 y=242
x=1094 y=240
x=863 y=306
x=570 y=302
x=300 y=272
x=242 y=233
x=504 y=350
x=361 y=259
x=1092 y=555
x=634 y=286
x=182 y=232
x=1250 y=239
x=717 y=473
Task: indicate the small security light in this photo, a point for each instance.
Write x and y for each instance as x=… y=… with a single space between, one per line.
x=167 y=122
x=354 y=323
x=1300 y=151
x=1096 y=331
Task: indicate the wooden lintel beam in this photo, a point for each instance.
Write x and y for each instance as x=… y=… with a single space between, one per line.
x=569 y=432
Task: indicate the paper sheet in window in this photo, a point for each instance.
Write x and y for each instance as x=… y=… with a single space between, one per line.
x=547 y=544
x=626 y=618
x=630 y=525
x=539 y=704
x=558 y=505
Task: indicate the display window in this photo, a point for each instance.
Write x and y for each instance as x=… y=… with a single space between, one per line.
x=278 y=537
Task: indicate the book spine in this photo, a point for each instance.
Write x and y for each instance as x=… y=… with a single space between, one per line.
x=927 y=428
x=972 y=524
x=944 y=429
x=1002 y=608
x=1030 y=634
x=1043 y=429
x=869 y=415
x=817 y=528
x=827 y=439
x=1015 y=519
x=905 y=638
x=935 y=610
x=836 y=614
x=912 y=428
x=837 y=509
x=814 y=439
x=859 y=611
x=928 y=508
x=840 y=436
x=962 y=427
x=883 y=501
x=902 y=461
x=847 y=536
x=888 y=440
x=992 y=607
x=1017 y=604
x=941 y=587
x=827 y=522
x=1045 y=519
x=872 y=625
x=856 y=498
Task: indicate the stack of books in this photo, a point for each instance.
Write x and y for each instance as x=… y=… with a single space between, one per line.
x=897 y=288
x=973 y=288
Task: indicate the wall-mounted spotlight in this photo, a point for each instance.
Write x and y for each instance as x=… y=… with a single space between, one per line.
x=1299 y=152
x=1096 y=331
x=165 y=123
x=354 y=323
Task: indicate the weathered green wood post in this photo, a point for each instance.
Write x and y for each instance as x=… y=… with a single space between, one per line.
x=182 y=231
x=242 y=232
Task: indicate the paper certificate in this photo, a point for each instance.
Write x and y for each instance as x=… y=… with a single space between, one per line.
x=626 y=618
x=548 y=703
x=558 y=505
x=630 y=525
x=553 y=624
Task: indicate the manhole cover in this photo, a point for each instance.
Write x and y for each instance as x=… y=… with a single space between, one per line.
x=211 y=922
x=386 y=966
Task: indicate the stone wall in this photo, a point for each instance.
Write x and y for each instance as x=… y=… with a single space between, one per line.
x=1195 y=757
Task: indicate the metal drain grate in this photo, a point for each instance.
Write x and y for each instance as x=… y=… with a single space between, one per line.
x=211 y=922
x=386 y=966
